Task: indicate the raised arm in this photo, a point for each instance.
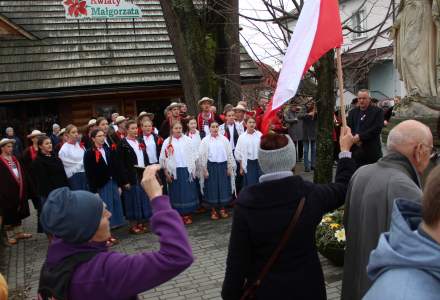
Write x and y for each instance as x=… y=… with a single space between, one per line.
x=332 y=195
x=127 y=275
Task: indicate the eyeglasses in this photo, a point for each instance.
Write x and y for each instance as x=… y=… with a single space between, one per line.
x=434 y=153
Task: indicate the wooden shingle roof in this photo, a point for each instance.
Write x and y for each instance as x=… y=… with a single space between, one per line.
x=81 y=53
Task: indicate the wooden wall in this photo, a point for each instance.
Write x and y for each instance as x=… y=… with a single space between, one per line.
x=79 y=111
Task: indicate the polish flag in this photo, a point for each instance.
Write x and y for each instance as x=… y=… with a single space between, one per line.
x=317 y=31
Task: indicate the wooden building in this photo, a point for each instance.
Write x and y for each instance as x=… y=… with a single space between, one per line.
x=57 y=70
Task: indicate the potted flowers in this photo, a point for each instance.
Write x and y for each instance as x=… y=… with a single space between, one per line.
x=330 y=237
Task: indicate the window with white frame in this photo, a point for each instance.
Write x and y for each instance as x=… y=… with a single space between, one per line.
x=358 y=24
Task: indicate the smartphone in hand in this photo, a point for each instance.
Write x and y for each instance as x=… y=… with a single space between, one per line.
x=157 y=174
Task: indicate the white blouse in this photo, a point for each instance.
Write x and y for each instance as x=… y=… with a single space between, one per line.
x=72 y=156
x=179 y=153
x=247 y=148
x=195 y=140
x=151 y=148
x=217 y=152
x=103 y=154
x=240 y=127
x=134 y=144
x=249 y=143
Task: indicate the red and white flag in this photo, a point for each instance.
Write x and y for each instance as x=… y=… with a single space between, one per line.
x=317 y=31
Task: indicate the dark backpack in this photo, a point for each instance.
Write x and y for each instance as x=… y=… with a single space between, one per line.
x=55 y=282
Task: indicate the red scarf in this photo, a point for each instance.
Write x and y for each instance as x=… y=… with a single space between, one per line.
x=97 y=155
x=170 y=149
x=200 y=120
x=33 y=153
x=20 y=172
x=120 y=134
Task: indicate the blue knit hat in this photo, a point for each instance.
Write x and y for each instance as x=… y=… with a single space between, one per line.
x=72 y=216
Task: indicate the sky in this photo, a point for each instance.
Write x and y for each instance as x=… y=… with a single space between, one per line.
x=257 y=45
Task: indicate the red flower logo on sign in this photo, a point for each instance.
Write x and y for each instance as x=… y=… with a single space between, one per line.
x=76 y=7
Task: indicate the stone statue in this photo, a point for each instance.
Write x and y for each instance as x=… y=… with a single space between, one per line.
x=416 y=50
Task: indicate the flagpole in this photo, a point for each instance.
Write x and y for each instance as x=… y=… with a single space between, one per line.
x=341 y=86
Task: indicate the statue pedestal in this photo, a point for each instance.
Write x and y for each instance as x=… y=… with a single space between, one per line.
x=414 y=108
x=424 y=110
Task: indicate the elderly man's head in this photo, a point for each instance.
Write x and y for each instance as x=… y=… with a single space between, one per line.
x=364 y=99
x=56 y=128
x=9 y=132
x=114 y=116
x=413 y=140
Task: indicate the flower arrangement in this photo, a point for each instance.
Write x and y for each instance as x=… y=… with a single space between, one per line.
x=330 y=236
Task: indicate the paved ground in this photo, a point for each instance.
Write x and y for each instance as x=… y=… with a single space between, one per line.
x=21 y=264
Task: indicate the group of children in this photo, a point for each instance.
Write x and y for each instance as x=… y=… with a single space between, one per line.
x=205 y=162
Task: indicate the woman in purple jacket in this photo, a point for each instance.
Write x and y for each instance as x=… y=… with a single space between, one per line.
x=79 y=265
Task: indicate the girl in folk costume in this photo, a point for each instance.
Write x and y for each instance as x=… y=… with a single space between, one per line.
x=178 y=159
x=232 y=131
x=47 y=170
x=103 y=172
x=152 y=141
x=205 y=117
x=246 y=153
x=194 y=134
x=13 y=197
x=153 y=144
x=134 y=158
x=72 y=156
x=229 y=129
x=218 y=167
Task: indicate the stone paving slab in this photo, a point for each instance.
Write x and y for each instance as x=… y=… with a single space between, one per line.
x=203 y=280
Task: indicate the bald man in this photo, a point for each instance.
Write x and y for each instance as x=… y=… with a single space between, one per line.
x=371 y=194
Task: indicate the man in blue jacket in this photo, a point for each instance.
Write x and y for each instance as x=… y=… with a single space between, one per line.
x=406 y=262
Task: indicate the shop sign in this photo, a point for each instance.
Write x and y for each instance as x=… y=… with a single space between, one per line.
x=101 y=9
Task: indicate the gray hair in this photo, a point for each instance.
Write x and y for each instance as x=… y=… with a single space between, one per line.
x=55 y=125
x=406 y=133
x=9 y=128
x=365 y=91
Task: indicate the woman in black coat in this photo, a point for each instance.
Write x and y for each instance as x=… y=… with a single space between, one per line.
x=14 y=206
x=103 y=171
x=134 y=158
x=262 y=213
x=47 y=170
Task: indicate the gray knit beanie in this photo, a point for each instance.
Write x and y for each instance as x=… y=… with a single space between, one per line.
x=278 y=160
x=73 y=216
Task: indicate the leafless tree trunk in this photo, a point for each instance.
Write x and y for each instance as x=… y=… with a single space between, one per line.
x=206 y=44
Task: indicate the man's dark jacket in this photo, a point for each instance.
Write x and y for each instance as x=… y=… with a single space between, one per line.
x=368 y=124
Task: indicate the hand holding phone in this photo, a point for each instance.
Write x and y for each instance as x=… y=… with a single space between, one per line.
x=150 y=182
